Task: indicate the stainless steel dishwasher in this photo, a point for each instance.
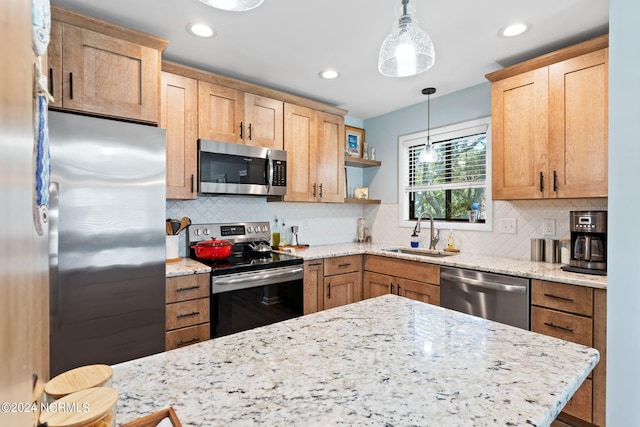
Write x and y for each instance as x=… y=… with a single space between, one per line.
x=497 y=297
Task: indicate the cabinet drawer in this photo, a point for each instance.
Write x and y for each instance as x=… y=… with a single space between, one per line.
x=187 y=313
x=187 y=336
x=342 y=264
x=183 y=288
x=580 y=404
x=413 y=270
x=568 y=327
x=560 y=296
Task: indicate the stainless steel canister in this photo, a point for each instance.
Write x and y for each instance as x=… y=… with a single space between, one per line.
x=537 y=249
x=552 y=250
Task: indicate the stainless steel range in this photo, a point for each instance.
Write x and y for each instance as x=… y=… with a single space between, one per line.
x=253 y=286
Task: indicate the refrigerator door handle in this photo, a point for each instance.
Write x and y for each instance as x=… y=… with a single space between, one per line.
x=54 y=312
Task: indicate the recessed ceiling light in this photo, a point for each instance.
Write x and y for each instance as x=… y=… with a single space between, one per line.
x=329 y=74
x=233 y=5
x=514 y=30
x=201 y=30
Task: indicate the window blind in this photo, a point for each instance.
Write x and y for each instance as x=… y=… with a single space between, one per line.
x=460 y=163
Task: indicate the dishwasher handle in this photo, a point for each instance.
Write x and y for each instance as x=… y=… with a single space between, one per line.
x=484 y=284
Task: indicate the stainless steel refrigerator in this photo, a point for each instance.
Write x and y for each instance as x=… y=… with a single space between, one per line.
x=106 y=241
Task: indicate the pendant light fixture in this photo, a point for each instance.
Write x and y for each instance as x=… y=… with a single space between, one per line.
x=429 y=154
x=408 y=49
x=233 y=5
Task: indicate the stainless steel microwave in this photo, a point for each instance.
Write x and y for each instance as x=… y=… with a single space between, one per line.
x=238 y=169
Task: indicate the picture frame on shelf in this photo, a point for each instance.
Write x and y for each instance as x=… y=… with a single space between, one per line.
x=361 y=193
x=354 y=140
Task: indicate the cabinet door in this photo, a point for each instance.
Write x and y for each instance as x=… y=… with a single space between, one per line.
x=54 y=62
x=330 y=161
x=578 y=129
x=299 y=133
x=179 y=115
x=519 y=136
x=220 y=113
x=109 y=76
x=419 y=291
x=376 y=284
x=342 y=289
x=265 y=121
x=313 y=296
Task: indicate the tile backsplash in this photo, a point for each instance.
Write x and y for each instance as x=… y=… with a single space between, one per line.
x=326 y=223
x=529 y=215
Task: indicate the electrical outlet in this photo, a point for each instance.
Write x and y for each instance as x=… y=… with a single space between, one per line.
x=305 y=224
x=508 y=226
x=549 y=227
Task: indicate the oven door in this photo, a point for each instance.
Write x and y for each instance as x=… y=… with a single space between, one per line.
x=244 y=301
x=225 y=168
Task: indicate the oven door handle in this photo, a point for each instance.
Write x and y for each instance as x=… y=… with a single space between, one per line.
x=258 y=276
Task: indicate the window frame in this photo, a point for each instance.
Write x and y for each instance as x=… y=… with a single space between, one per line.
x=442 y=134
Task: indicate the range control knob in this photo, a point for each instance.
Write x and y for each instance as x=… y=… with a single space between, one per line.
x=206 y=231
x=249 y=229
x=264 y=228
x=197 y=232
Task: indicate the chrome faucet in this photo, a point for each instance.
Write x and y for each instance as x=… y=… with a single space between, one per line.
x=433 y=240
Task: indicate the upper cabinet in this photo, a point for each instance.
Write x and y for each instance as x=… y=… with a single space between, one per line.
x=549 y=125
x=314 y=142
x=179 y=116
x=101 y=68
x=231 y=115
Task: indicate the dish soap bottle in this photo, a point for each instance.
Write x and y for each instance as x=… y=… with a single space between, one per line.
x=451 y=244
x=414 y=240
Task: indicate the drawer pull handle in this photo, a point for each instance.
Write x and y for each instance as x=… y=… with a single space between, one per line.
x=191 y=341
x=193 y=313
x=559 y=297
x=329 y=291
x=398 y=289
x=564 y=328
x=189 y=288
x=344 y=265
x=315 y=265
x=390 y=288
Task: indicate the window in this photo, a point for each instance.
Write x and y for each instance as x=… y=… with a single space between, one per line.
x=448 y=179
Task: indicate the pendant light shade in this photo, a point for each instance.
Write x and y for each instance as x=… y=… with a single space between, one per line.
x=429 y=154
x=233 y=5
x=408 y=49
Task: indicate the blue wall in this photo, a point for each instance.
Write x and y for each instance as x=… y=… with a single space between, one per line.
x=382 y=132
x=623 y=292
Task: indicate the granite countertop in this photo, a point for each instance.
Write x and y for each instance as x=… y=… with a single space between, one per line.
x=185 y=267
x=422 y=365
x=513 y=267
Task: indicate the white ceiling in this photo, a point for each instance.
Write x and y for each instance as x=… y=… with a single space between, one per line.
x=284 y=44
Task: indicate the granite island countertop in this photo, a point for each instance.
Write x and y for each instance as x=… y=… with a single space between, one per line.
x=422 y=365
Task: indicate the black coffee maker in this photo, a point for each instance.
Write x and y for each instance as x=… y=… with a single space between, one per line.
x=588 y=242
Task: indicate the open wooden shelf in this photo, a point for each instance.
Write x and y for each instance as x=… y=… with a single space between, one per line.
x=357 y=162
x=362 y=201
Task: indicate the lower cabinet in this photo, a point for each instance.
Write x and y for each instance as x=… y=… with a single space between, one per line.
x=411 y=279
x=576 y=314
x=187 y=310
x=332 y=282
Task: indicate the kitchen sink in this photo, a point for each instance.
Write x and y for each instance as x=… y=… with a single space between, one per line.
x=433 y=253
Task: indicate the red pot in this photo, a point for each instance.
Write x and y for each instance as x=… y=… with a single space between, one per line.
x=213 y=249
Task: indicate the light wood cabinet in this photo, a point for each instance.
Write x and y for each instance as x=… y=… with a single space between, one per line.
x=313 y=296
x=187 y=310
x=100 y=68
x=549 y=125
x=179 y=115
x=332 y=282
x=576 y=314
x=410 y=279
x=230 y=115
x=314 y=142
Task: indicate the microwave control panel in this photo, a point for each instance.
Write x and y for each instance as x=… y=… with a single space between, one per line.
x=279 y=173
